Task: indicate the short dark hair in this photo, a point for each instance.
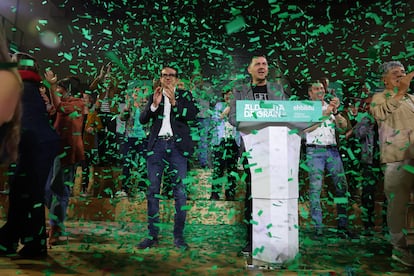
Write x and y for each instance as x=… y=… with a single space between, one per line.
x=255 y=57
x=312 y=82
x=171 y=67
x=259 y=55
x=71 y=84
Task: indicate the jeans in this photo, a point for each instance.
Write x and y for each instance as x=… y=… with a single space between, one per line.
x=225 y=158
x=165 y=155
x=203 y=150
x=58 y=191
x=319 y=159
x=26 y=213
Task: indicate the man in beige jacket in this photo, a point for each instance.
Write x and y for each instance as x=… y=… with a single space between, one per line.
x=393 y=109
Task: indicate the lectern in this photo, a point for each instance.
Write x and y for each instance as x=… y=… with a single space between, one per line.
x=273 y=142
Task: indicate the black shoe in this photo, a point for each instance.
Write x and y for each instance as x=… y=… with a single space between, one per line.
x=30 y=252
x=6 y=247
x=345 y=233
x=147 y=243
x=247 y=250
x=180 y=244
x=6 y=251
x=318 y=234
x=214 y=196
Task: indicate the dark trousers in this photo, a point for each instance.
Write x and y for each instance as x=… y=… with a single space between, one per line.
x=165 y=155
x=26 y=214
x=248 y=201
x=90 y=160
x=108 y=149
x=370 y=178
x=225 y=159
x=133 y=152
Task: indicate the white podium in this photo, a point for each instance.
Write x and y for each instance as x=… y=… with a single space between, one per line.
x=273 y=144
x=274 y=159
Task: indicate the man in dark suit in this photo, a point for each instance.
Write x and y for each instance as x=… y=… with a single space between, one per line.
x=171 y=112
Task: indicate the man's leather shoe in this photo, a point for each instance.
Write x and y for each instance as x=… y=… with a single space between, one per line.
x=31 y=252
x=147 y=243
x=247 y=250
x=181 y=244
x=318 y=234
x=345 y=233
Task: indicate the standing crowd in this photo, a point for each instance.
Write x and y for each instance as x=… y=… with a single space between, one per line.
x=51 y=126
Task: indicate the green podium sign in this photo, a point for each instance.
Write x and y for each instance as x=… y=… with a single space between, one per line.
x=294 y=114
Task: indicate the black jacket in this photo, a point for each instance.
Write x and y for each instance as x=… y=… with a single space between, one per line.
x=182 y=118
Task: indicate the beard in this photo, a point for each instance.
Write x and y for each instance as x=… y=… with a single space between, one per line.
x=259 y=79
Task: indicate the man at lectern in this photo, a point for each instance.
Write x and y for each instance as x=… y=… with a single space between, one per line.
x=257 y=89
x=322 y=153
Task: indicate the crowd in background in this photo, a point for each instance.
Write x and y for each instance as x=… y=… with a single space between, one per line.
x=66 y=124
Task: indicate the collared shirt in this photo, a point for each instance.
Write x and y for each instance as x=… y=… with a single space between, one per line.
x=325 y=133
x=166 y=129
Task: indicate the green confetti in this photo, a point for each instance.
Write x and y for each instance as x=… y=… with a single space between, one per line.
x=235 y=25
x=108 y=32
x=340 y=200
x=293 y=131
x=68 y=56
x=377 y=19
x=408 y=168
x=186 y=208
x=350 y=153
x=258 y=170
x=26 y=62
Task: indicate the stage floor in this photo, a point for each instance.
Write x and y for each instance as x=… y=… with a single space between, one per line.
x=108 y=248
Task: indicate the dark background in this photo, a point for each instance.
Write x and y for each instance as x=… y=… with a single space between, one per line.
x=344 y=40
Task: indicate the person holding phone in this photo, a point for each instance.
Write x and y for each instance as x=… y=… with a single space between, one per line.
x=322 y=154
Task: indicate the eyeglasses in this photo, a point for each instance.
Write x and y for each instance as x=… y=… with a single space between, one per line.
x=168 y=75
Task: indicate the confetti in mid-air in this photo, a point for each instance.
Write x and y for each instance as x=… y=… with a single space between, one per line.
x=215 y=40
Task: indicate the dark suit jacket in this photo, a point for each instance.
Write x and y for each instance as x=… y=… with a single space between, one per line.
x=275 y=92
x=182 y=117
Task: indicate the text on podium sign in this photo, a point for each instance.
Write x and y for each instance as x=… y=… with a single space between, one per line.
x=278 y=111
